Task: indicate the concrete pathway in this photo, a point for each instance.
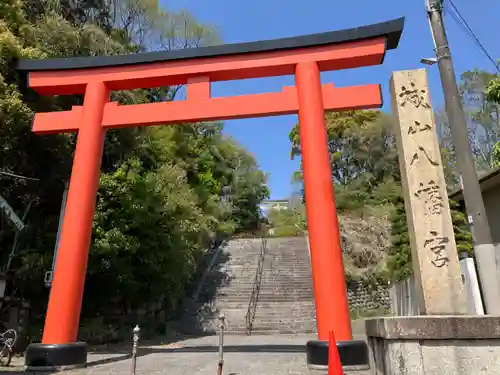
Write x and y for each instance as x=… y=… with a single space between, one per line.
x=244 y=355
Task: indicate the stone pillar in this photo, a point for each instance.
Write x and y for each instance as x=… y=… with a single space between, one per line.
x=442 y=341
x=435 y=260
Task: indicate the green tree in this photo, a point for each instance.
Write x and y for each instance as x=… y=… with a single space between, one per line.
x=365 y=174
x=493 y=90
x=363 y=157
x=288 y=222
x=160 y=195
x=360 y=144
x=483 y=121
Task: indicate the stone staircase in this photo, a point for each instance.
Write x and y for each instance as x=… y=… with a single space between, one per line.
x=233 y=298
x=285 y=303
x=223 y=291
x=286 y=298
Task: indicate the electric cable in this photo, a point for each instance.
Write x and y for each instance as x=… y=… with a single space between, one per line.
x=464 y=26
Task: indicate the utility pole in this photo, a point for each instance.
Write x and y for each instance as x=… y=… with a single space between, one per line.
x=484 y=249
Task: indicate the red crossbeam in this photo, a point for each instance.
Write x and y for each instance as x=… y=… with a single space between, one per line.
x=199 y=108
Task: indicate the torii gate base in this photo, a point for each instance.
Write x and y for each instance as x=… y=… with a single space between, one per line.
x=305 y=57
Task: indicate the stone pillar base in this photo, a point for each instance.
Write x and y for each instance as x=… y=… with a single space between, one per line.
x=353 y=355
x=55 y=357
x=434 y=345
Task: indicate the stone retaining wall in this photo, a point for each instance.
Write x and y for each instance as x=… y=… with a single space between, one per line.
x=363 y=296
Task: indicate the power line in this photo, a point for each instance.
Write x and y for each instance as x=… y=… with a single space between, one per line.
x=464 y=26
x=474 y=203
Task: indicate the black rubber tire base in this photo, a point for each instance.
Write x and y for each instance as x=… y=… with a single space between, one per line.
x=48 y=357
x=352 y=354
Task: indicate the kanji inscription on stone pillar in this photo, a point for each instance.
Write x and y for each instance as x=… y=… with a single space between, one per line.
x=438 y=280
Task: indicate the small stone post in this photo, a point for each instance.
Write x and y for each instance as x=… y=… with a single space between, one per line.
x=436 y=268
x=220 y=363
x=136 y=331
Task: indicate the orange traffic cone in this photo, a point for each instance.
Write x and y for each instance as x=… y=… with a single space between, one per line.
x=334 y=364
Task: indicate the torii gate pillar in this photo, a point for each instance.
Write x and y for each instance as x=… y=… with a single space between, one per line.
x=305 y=57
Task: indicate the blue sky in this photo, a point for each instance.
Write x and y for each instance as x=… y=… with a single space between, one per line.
x=242 y=21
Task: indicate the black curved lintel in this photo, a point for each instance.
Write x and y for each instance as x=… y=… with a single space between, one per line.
x=391 y=30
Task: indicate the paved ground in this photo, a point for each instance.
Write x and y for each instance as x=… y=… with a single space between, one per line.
x=244 y=355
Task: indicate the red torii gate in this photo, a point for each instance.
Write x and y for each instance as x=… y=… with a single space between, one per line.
x=304 y=56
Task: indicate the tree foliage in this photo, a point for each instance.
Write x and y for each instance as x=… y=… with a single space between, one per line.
x=363 y=157
x=289 y=222
x=483 y=121
x=361 y=147
x=492 y=90
x=164 y=191
x=365 y=174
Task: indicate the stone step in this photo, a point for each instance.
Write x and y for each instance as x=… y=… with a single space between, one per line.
x=284 y=318
x=270 y=299
x=264 y=292
x=261 y=307
x=274 y=329
x=282 y=282
x=274 y=299
x=285 y=283
x=287 y=277
x=309 y=313
x=271 y=314
x=284 y=329
x=288 y=272
x=272 y=332
x=266 y=296
x=277 y=313
x=261 y=311
x=308 y=310
x=288 y=282
x=299 y=261
x=277 y=324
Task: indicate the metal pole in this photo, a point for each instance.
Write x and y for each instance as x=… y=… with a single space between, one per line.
x=136 y=331
x=483 y=246
x=49 y=275
x=221 y=344
x=16 y=237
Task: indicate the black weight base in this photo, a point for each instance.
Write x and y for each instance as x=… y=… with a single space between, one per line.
x=353 y=354
x=50 y=357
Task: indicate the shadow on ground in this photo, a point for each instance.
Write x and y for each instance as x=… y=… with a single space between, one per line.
x=230 y=349
x=144 y=351
x=205 y=349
